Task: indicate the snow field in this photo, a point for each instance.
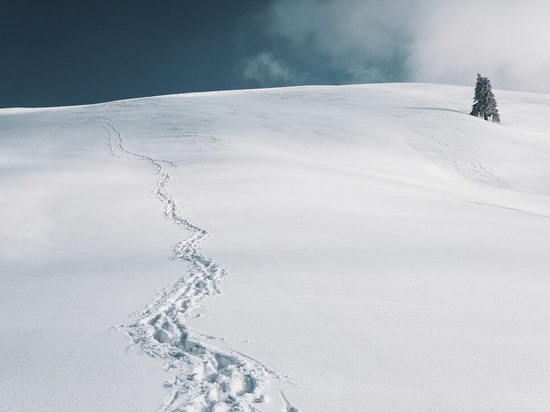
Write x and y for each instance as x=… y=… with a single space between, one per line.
x=361 y=248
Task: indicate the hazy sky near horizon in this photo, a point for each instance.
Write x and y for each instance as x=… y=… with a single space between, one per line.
x=70 y=52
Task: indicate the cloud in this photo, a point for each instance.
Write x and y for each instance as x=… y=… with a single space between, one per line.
x=446 y=41
x=266 y=70
x=505 y=40
x=337 y=41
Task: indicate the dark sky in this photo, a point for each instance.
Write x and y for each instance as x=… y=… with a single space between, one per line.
x=64 y=52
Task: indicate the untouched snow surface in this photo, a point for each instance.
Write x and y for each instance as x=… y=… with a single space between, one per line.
x=316 y=248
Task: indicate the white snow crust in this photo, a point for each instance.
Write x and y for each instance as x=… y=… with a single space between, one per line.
x=319 y=248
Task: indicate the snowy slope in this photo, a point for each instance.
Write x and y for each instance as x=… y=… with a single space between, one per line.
x=332 y=248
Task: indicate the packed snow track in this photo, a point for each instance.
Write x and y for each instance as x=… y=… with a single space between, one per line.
x=206 y=378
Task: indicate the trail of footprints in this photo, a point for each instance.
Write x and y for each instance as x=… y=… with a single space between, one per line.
x=205 y=378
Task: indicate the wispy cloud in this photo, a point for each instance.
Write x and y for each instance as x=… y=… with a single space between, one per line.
x=337 y=41
x=267 y=70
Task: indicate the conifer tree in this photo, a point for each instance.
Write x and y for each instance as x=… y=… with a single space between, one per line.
x=485 y=104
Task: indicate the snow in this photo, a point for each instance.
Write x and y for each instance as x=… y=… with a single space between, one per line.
x=367 y=247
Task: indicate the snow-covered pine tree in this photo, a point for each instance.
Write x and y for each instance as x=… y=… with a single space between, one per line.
x=485 y=104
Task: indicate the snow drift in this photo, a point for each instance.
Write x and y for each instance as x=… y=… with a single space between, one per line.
x=333 y=248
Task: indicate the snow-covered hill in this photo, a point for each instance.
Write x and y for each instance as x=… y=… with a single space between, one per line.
x=333 y=249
